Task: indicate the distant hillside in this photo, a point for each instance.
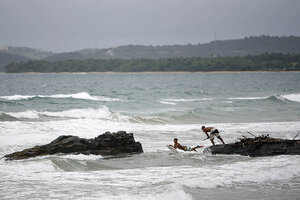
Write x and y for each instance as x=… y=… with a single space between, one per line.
x=238 y=47
x=35 y=54
x=221 y=48
x=66 y=56
x=7 y=58
x=266 y=62
x=18 y=54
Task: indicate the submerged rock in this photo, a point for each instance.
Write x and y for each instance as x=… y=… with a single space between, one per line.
x=258 y=146
x=105 y=144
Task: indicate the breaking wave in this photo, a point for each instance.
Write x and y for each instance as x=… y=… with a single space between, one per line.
x=7 y=117
x=99 y=113
x=81 y=95
x=290 y=97
x=102 y=113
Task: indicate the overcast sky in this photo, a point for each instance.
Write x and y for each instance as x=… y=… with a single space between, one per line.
x=67 y=25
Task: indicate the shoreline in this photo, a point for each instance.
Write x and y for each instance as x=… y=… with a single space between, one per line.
x=150 y=72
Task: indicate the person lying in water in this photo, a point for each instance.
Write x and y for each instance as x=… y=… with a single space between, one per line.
x=184 y=148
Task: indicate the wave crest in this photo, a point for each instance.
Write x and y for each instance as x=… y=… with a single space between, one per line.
x=100 y=113
x=292 y=97
x=81 y=95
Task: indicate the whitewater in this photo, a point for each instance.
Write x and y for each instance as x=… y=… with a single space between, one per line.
x=156 y=107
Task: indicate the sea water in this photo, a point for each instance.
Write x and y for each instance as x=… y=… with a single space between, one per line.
x=156 y=107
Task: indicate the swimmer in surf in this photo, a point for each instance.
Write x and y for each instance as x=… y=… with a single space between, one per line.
x=184 y=148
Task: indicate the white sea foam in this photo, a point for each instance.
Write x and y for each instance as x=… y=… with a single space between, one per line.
x=81 y=95
x=28 y=114
x=100 y=113
x=136 y=182
x=187 y=100
x=17 y=97
x=246 y=98
x=166 y=102
x=169 y=101
x=255 y=171
x=292 y=97
x=82 y=157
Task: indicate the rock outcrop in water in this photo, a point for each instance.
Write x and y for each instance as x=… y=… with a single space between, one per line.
x=105 y=144
x=258 y=146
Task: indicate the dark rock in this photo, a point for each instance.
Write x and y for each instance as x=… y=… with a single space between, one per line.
x=105 y=144
x=258 y=146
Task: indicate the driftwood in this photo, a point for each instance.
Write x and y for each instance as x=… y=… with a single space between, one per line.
x=258 y=146
x=251 y=134
x=295 y=136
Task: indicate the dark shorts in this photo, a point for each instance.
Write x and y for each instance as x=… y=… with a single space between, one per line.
x=213 y=133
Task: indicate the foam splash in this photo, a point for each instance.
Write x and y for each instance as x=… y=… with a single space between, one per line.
x=292 y=97
x=81 y=95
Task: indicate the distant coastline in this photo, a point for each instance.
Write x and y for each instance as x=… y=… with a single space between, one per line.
x=154 y=72
x=263 y=62
x=258 y=53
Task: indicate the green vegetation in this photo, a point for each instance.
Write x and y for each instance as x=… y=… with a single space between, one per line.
x=19 y=54
x=237 y=47
x=227 y=55
x=29 y=53
x=272 y=62
x=6 y=58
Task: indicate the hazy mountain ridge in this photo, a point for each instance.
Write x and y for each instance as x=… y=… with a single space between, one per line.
x=262 y=62
x=30 y=53
x=20 y=54
x=7 y=58
x=235 y=47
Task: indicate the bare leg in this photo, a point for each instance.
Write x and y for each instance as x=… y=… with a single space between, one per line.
x=194 y=148
x=212 y=141
x=221 y=140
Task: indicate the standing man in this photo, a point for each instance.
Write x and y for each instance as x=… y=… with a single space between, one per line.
x=212 y=133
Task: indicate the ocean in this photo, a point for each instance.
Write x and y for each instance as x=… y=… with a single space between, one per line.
x=156 y=107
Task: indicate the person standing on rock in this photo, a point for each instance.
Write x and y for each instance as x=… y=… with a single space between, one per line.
x=211 y=132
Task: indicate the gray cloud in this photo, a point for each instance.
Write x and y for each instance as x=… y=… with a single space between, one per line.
x=66 y=25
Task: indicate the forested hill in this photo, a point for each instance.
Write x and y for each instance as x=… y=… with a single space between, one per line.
x=238 y=47
x=29 y=53
x=267 y=62
x=19 y=54
x=6 y=58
